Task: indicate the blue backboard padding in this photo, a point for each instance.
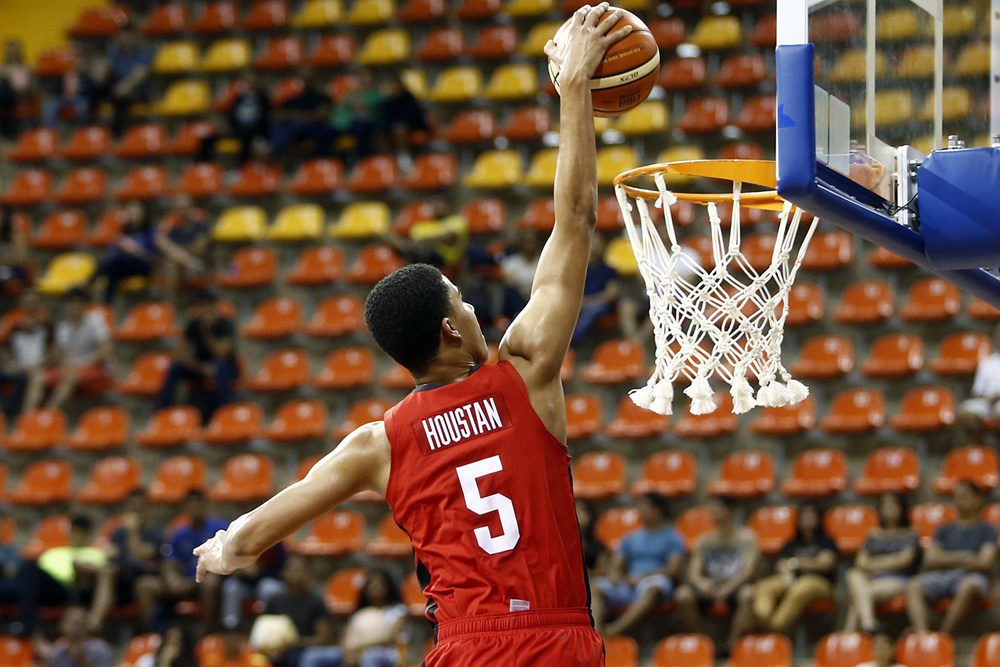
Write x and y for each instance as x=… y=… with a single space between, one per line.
x=960 y=207
x=796 y=120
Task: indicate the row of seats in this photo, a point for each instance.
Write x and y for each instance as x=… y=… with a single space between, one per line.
x=915 y=63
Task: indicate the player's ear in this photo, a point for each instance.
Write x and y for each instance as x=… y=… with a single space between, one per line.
x=450 y=331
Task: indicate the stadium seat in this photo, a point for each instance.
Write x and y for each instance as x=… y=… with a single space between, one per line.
x=614 y=524
x=980 y=310
x=318 y=14
x=805 y=304
x=609 y=215
x=140 y=646
x=282 y=370
x=186 y=143
x=226 y=55
x=317 y=177
x=974 y=463
x=987 y=651
x=892 y=107
x=413 y=598
x=866 y=302
x=527 y=123
x=109 y=226
x=266 y=15
x=111 y=481
x=744 y=474
x=917 y=62
x=99 y=429
x=742 y=150
x=34 y=431
x=613 y=160
x=889 y=470
x=741 y=70
x=184 y=98
x=316 y=265
x=256 y=179
x=631 y=421
x=926 y=517
x=422 y=11
x=459 y=83
x=343 y=589
x=881 y=258
x=175 y=477
x=829 y=251
x=618 y=254
x=298 y=420
x=475 y=10
x=390 y=541
x=669 y=473
x=336 y=316
x=55 y=62
x=766 y=650
x=583 y=415
x=494 y=42
x=432 y=171
x=855 y=411
x=176 y=58
x=850 y=66
x=49 y=532
x=43 y=483
x=497 y=169
x=65 y=271
x=894 y=355
x=296 y=223
x=99 y=21
x=774 y=526
x=705 y=115
x=361 y=220
x=470 y=127
x=373 y=175
x=360 y=413
x=758 y=115
x=87 y=143
x=144 y=183
x=615 y=361
x=61 y=230
x=245 y=478
x=694 y=522
x=599 y=475
x=522 y=9
x=397 y=378
x=370 y=12
x=925 y=649
x=16 y=651
x=825 y=357
x=720 y=421
x=218 y=17
x=388 y=46
x=973 y=60
x=166 y=20
x=540 y=33
x=146 y=375
x=757 y=248
x=240 y=224
x=84 y=185
x=333 y=534
x=29 y=188
x=786 y=420
x=716 y=32
x=171 y=427
x=816 y=473
x=332 y=50
x=249 y=268
x=346 y=368
x=512 y=82
x=925 y=409
x=485 y=216
x=960 y=353
x=201 y=180
x=687 y=650
x=843 y=649
x=34 y=146
x=650 y=117
x=931 y=300
x=147 y=322
x=276 y=317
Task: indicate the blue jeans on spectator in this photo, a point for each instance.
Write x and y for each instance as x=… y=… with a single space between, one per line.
x=222 y=385
x=117 y=268
x=332 y=656
x=588 y=318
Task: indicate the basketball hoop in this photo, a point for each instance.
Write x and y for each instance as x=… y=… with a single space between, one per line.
x=726 y=319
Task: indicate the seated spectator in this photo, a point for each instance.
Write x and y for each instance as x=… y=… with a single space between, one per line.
x=82 y=356
x=440 y=242
x=75 y=646
x=17 y=82
x=806 y=571
x=600 y=291
x=262 y=581
x=722 y=565
x=886 y=561
x=883 y=651
x=133 y=253
x=184 y=241
x=359 y=115
x=15 y=263
x=306 y=610
x=135 y=547
x=643 y=568
x=517 y=269
x=596 y=557
x=176 y=581
x=29 y=346
x=373 y=633
x=81 y=92
x=304 y=116
x=958 y=564
x=402 y=114
x=248 y=120
x=130 y=61
x=207 y=355
x=984 y=402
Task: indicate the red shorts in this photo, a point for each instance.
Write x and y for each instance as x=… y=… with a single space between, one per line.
x=544 y=638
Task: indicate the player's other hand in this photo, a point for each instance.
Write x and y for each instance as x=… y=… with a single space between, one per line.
x=213 y=556
x=579 y=46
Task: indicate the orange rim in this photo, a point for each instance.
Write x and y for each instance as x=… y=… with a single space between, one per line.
x=755 y=172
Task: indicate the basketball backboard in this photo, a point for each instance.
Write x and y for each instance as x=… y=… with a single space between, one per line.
x=868 y=93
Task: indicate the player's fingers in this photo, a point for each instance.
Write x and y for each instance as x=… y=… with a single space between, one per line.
x=200 y=574
x=605 y=26
x=594 y=14
x=581 y=14
x=617 y=35
x=550 y=49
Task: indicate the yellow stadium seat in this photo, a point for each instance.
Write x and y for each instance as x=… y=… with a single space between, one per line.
x=956 y=104
x=677 y=154
x=542 y=170
x=633 y=5
x=513 y=82
x=619 y=256
x=176 y=57
x=385 y=47
x=495 y=170
x=297 y=223
x=602 y=124
x=613 y=160
x=958 y=21
x=540 y=33
x=850 y=66
x=362 y=220
x=370 y=12
x=717 y=32
x=318 y=14
x=891 y=107
x=897 y=24
x=67 y=270
x=240 y=224
x=925 y=144
x=917 y=62
x=185 y=98
x=415 y=81
x=457 y=84
x=523 y=8
x=973 y=60
x=649 y=117
x=226 y=55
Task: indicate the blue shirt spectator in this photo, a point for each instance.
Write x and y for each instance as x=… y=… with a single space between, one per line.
x=649 y=551
x=189 y=536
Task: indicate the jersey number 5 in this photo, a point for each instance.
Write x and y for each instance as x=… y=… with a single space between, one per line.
x=495 y=502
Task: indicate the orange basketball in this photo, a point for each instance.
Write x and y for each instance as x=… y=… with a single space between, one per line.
x=628 y=72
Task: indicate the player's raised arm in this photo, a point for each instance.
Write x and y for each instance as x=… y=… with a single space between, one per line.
x=360 y=462
x=542 y=332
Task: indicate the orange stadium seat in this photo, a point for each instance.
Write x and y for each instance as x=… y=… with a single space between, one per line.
x=816 y=473
x=631 y=421
x=758 y=115
x=266 y=15
x=825 y=357
x=147 y=140
x=741 y=70
x=397 y=378
x=771 y=650
x=34 y=146
x=52 y=531
x=343 y=589
x=332 y=50
x=43 y=428
x=277 y=317
x=29 y=188
x=470 y=127
x=765 y=32
x=991 y=514
x=100 y=428
x=413 y=598
x=373 y=175
x=806 y=304
x=925 y=409
x=234 y=423
x=83 y=186
x=855 y=411
x=774 y=526
x=108 y=228
x=669 y=33
x=111 y=481
x=882 y=258
x=304 y=466
x=144 y=183
x=987 y=651
x=175 y=477
x=43 y=483
x=742 y=150
x=390 y=540
x=333 y=534
x=88 y=143
x=373 y=262
x=960 y=353
x=475 y=10
x=718 y=422
x=757 y=248
x=598 y=475
x=146 y=375
x=926 y=649
x=282 y=370
x=3 y=496
x=347 y=368
x=171 y=427
x=889 y=470
x=614 y=524
x=669 y=473
x=688 y=650
x=829 y=251
x=166 y=20
x=974 y=463
x=980 y=310
x=926 y=517
x=298 y=420
x=432 y=171
x=317 y=177
x=866 y=302
x=583 y=415
x=621 y=651
x=527 y=123
x=99 y=21
x=746 y=474
x=694 y=522
x=147 y=322
x=219 y=17
x=140 y=646
x=360 y=413
x=411 y=214
x=250 y=267
x=336 y=316
x=422 y=11
x=256 y=180
x=16 y=651
x=61 y=230
x=485 y=216
x=609 y=215
x=705 y=115
x=55 y=62
x=245 y=478
x=615 y=361
x=843 y=649
x=786 y=420
x=683 y=73
x=317 y=265
x=201 y=180
x=442 y=44
x=494 y=42
x=894 y=355
x=931 y=300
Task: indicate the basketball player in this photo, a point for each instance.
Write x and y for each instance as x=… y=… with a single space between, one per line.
x=474 y=462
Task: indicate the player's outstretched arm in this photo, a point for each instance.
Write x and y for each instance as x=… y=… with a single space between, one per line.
x=360 y=462
x=541 y=333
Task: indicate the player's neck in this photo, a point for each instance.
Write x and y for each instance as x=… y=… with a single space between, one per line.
x=445 y=371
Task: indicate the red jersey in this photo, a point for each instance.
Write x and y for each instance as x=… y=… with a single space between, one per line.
x=485 y=494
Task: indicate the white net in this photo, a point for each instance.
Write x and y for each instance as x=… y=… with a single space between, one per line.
x=726 y=319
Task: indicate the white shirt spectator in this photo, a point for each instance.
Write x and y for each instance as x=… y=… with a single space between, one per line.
x=519 y=272
x=374 y=626
x=987 y=381
x=81 y=342
x=30 y=345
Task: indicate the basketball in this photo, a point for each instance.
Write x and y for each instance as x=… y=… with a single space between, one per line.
x=628 y=71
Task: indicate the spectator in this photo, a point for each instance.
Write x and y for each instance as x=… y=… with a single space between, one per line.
x=304 y=116
x=806 y=571
x=304 y=608
x=402 y=114
x=133 y=253
x=130 y=62
x=135 y=547
x=75 y=648
x=883 y=650
x=359 y=115
x=600 y=291
x=176 y=580
x=595 y=556
x=83 y=355
x=17 y=82
x=29 y=346
x=440 y=242
x=262 y=580
x=886 y=561
x=644 y=567
x=183 y=241
x=722 y=565
x=248 y=119
x=517 y=270
x=207 y=355
x=15 y=264
x=958 y=564
x=10 y=564
x=985 y=400
x=373 y=633
x=176 y=650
